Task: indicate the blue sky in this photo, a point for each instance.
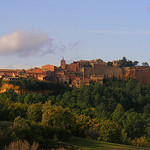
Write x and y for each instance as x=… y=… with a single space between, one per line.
x=75 y=29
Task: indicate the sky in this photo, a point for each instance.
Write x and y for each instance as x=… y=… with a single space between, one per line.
x=38 y=32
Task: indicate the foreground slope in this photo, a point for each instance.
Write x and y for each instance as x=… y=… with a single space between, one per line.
x=86 y=144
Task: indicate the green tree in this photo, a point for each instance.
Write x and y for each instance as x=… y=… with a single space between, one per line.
x=21 y=129
x=133 y=124
x=147 y=108
x=46 y=106
x=135 y=63
x=4 y=111
x=127 y=63
x=29 y=99
x=58 y=117
x=17 y=109
x=109 y=63
x=145 y=64
x=34 y=112
x=101 y=112
x=118 y=114
x=83 y=123
x=110 y=131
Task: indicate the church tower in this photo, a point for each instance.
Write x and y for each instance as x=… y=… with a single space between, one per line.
x=63 y=63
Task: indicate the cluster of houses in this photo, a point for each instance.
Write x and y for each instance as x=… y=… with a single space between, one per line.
x=78 y=73
x=74 y=74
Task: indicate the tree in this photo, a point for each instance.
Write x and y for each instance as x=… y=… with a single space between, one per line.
x=147 y=108
x=145 y=64
x=118 y=114
x=17 y=109
x=110 y=131
x=11 y=95
x=84 y=124
x=124 y=59
x=133 y=124
x=109 y=63
x=127 y=63
x=34 y=112
x=21 y=129
x=58 y=118
x=135 y=63
x=100 y=111
x=29 y=99
x=4 y=111
x=47 y=106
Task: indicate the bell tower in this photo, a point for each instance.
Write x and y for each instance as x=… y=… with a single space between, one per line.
x=63 y=63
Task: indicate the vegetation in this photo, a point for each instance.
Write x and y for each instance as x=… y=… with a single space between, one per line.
x=22 y=145
x=117 y=111
x=110 y=63
x=125 y=63
x=86 y=144
x=145 y=64
x=31 y=84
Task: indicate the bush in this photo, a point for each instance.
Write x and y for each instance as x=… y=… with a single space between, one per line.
x=22 y=145
x=142 y=142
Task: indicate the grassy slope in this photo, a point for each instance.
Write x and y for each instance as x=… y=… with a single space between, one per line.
x=86 y=144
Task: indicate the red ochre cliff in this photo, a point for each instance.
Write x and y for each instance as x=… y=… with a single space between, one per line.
x=140 y=73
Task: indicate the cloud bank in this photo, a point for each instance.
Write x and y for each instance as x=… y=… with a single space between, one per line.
x=24 y=43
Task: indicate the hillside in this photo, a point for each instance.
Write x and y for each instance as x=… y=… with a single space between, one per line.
x=86 y=144
x=116 y=112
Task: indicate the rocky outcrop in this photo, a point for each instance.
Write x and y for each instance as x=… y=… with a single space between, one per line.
x=141 y=73
x=108 y=71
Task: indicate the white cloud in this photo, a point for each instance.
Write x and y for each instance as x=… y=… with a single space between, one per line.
x=25 y=43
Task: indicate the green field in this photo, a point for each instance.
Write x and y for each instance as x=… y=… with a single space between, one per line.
x=86 y=144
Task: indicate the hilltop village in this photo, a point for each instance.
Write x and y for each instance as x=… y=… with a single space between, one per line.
x=79 y=72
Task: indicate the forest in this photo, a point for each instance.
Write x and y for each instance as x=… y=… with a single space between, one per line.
x=117 y=111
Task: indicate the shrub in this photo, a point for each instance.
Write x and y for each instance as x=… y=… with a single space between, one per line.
x=142 y=142
x=22 y=145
